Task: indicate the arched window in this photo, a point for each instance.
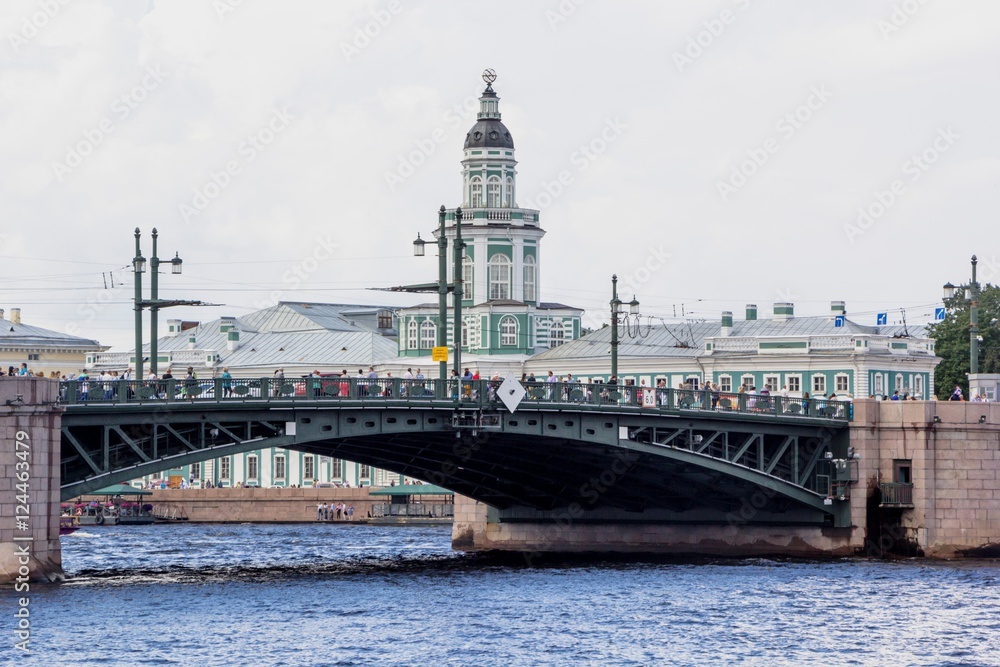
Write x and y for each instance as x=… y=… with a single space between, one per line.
x=556 y=334
x=493 y=192
x=428 y=333
x=508 y=331
x=499 y=277
x=411 y=335
x=467 y=275
x=476 y=192
x=529 y=278
x=508 y=193
x=470 y=332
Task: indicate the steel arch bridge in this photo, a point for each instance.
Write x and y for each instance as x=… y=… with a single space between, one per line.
x=611 y=460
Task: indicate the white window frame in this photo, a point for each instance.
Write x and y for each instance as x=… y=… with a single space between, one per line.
x=918 y=385
x=494 y=192
x=772 y=381
x=898 y=383
x=747 y=380
x=846 y=383
x=428 y=333
x=879 y=388
x=280 y=467
x=557 y=334
x=499 y=277
x=476 y=192
x=818 y=387
x=336 y=469
x=226 y=468
x=508 y=193
x=694 y=381
x=508 y=338
x=364 y=472
x=412 y=335
x=468 y=276
x=725 y=383
x=196 y=471
x=253 y=467
x=530 y=272
x=798 y=383
x=308 y=467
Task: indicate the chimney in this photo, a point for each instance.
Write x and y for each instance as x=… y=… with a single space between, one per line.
x=838 y=308
x=233 y=339
x=1 y=313
x=784 y=311
x=173 y=328
x=192 y=343
x=15 y=315
x=227 y=324
x=751 y=312
x=727 y=323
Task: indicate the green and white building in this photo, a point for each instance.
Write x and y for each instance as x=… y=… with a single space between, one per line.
x=820 y=355
x=504 y=320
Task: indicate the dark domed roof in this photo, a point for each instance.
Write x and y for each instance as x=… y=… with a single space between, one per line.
x=489 y=133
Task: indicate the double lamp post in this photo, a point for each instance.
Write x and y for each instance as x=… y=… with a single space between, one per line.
x=154 y=303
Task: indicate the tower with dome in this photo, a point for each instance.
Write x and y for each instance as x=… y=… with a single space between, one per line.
x=504 y=319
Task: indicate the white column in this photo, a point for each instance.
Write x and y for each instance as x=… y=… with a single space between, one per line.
x=517 y=266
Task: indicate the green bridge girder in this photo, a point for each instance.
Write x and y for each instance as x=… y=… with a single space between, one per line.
x=679 y=465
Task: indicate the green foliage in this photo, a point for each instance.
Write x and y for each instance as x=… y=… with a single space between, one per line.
x=952 y=340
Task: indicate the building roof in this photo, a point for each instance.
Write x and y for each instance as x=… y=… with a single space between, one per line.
x=292 y=334
x=687 y=339
x=25 y=335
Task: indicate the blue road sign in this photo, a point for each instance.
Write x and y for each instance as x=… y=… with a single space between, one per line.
x=882 y=318
x=838 y=321
x=938 y=314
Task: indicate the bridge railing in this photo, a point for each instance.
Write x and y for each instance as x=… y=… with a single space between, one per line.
x=482 y=393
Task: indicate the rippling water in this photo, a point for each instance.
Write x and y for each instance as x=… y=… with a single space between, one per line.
x=363 y=595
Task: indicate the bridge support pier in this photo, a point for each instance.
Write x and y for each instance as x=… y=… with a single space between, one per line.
x=476 y=528
x=29 y=480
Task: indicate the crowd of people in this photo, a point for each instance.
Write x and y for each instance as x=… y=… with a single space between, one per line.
x=334 y=512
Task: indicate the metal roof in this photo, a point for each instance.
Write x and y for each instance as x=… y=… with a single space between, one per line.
x=25 y=335
x=687 y=339
x=290 y=335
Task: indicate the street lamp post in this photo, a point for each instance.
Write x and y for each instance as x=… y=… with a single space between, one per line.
x=616 y=305
x=154 y=303
x=138 y=268
x=972 y=296
x=442 y=338
x=457 y=293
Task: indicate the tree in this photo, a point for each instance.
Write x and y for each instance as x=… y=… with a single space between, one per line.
x=952 y=340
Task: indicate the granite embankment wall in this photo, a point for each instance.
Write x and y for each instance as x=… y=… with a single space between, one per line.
x=955 y=463
x=29 y=480
x=262 y=505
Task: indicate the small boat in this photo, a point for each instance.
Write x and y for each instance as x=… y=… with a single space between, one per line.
x=68 y=524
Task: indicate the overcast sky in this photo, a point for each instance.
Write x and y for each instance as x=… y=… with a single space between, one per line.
x=710 y=154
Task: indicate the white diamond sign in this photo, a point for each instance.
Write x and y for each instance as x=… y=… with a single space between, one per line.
x=511 y=392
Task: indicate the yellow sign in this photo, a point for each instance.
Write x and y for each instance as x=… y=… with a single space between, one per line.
x=439 y=354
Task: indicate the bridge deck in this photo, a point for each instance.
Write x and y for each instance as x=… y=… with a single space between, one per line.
x=465 y=393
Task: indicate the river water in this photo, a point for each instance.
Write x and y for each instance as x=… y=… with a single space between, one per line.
x=364 y=595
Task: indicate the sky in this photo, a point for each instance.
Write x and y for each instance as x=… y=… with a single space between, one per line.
x=711 y=154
